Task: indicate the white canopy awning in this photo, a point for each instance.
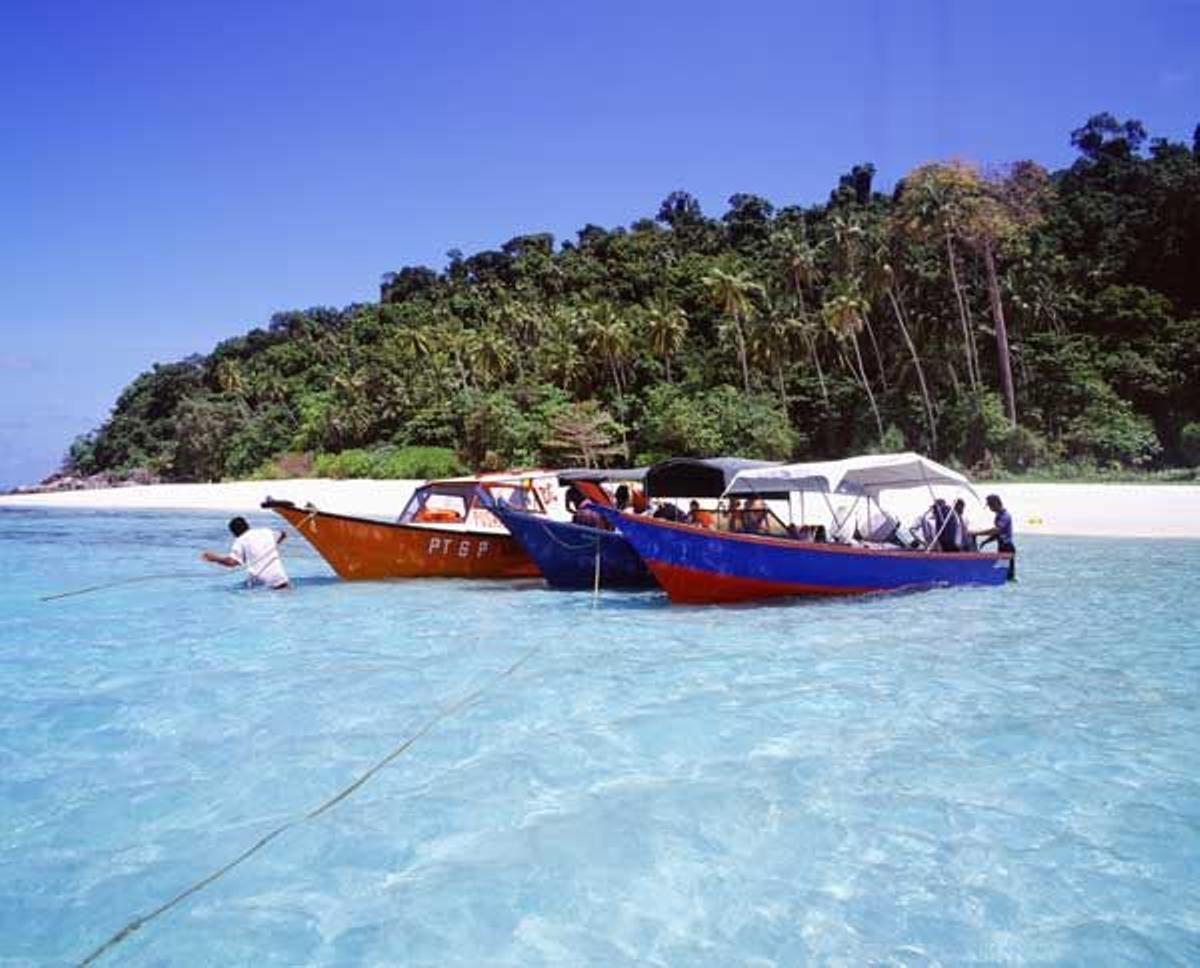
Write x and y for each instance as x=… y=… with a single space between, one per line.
x=869 y=474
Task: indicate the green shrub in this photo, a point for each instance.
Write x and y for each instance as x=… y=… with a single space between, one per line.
x=722 y=421
x=1109 y=431
x=387 y=463
x=284 y=466
x=419 y=462
x=1189 y=443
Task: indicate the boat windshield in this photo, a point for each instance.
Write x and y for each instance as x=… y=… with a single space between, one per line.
x=517 y=495
x=438 y=505
x=469 y=503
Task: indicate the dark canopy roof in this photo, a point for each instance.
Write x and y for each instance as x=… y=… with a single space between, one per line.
x=601 y=474
x=696 y=476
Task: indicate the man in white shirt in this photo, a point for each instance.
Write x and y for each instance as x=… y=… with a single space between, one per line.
x=258 y=550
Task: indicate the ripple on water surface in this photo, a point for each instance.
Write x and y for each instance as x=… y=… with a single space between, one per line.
x=970 y=775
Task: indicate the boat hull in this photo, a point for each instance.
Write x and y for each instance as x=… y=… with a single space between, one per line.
x=566 y=553
x=360 y=548
x=698 y=566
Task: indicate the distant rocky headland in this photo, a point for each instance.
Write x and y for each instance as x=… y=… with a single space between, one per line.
x=66 y=481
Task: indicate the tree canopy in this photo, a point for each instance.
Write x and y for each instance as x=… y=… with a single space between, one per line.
x=998 y=317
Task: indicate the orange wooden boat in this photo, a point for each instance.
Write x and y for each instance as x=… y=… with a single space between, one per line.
x=446 y=530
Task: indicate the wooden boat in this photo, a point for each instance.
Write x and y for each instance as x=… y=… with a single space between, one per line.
x=701 y=566
x=572 y=555
x=447 y=529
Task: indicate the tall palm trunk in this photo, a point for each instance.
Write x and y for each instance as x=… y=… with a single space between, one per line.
x=741 y=348
x=875 y=346
x=964 y=319
x=1002 y=351
x=866 y=384
x=912 y=348
x=816 y=358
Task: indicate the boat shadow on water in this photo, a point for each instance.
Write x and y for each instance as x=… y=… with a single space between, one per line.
x=656 y=599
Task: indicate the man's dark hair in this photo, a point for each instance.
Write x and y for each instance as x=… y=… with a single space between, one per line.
x=239 y=527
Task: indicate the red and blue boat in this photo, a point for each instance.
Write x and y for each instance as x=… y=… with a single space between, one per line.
x=699 y=565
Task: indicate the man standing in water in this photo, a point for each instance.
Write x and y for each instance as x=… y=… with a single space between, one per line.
x=1001 y=532
x=258 y=550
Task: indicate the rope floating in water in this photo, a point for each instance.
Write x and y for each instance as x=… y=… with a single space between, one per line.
x=122 y=581
x=333 y=801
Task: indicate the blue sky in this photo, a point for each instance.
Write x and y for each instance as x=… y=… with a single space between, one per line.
x=173 y=173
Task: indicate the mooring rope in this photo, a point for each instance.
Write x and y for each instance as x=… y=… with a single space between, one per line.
x=122 y=581
x=333 y=801
x=567 y=545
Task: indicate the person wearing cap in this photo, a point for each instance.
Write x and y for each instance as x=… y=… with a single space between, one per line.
x=256 y=549
x=1001 y=532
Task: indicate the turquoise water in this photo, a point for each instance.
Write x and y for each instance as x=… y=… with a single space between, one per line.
x=961 y=776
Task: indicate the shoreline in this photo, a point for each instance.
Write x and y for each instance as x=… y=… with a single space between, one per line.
x=1078 y=510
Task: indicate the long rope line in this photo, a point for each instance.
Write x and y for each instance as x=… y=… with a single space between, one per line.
x=329 y=804
x=122 y=581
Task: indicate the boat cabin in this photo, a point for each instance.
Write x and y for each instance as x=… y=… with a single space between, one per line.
x=468 y=503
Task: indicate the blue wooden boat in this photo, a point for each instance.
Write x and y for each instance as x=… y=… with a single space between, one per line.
x=568 y=554
x=699 y=566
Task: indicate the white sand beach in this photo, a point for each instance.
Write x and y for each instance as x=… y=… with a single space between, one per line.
x=1097 y=510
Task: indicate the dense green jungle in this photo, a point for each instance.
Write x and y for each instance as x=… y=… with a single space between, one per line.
x=1004 y=319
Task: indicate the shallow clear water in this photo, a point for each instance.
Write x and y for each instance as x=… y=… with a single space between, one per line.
x=970 y=775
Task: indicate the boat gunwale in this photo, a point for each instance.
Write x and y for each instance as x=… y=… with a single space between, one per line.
x=425 y=527
x=792 y=543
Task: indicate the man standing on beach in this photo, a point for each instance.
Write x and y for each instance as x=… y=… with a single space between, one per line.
x=258 y=550
x=1001 y=532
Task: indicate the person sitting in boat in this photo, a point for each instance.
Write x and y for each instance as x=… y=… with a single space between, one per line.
x=949 y=527
x=939 y=528
x=733 y=515
x=1001 y=532
x=698 y=516
x=573 y=499
x=667 y=511
x=256 y=549
x=622 y=498
x=637 y=500
x=968 y=539
x=754 y=517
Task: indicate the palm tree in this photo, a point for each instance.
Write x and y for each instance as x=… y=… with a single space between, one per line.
x=931 y=210
x=801 y=266
x=810 y=329
x=732 y=290
x=606 y=333
x=851 y=239
x=492 y=354
x=771 y=347
x=881 y=282
x=558 y=357
x=667 y=325
x=844 y=312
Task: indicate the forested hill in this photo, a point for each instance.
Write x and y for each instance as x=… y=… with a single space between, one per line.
x=1002 y=319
